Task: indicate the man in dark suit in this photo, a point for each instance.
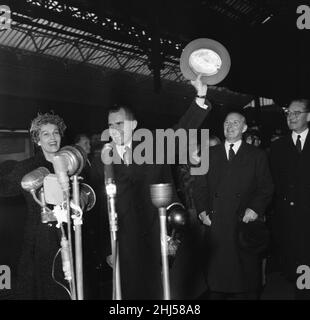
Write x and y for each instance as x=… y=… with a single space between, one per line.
x=237 y=188
x=290 y=160
x=139 y=239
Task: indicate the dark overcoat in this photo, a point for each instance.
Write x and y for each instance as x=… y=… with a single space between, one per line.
x=291 y=220
x=139 y=237
x=41 y=242
x=226 y=191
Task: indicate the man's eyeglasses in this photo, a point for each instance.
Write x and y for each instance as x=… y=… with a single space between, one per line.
x=294 y=114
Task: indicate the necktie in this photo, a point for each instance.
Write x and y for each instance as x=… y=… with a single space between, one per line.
x=231 y=153
x=298 y=144
x=127 y=156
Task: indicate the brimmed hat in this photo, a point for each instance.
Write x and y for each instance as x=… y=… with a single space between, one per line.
x=209 y=56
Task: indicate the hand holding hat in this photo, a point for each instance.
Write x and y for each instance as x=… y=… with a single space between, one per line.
x=207 y=58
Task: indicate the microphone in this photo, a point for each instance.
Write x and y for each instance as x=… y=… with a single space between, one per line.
x=69 y=160
x=87 y=197
x=34 y=179
x=161 y=195
x=177 y=216
x=106 y=158
x=60 y=165
x=110 y=187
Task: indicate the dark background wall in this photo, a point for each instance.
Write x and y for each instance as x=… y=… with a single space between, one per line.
x=82 y=94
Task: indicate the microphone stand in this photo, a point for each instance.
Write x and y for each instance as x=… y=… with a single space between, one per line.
x=67 y=162
x=161 y=198
x=44 y=212
x=164 y=252
x=71 y=282
x=77 y=221
x=111 y=193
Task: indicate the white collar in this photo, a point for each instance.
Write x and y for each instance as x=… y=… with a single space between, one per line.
x=122 y=148
x=236 y=144
x=303 y=135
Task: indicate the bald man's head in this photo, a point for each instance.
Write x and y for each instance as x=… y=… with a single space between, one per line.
x=234 y=127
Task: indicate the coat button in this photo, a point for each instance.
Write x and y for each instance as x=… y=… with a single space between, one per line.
x=292 y=203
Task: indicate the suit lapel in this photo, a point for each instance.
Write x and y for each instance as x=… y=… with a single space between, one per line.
x=291 y=144
x=121 y=170
x=292 y=151
x=241 y=154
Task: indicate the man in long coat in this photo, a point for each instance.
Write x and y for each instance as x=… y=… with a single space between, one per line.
x=237 y=188
x=138 y=235
x=290 y=161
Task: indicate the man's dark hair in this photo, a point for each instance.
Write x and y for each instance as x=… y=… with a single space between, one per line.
x=305 y=102
x=253 y=134
x=130 y=115
x=79 y=137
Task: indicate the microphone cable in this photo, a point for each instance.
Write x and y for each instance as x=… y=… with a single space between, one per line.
x=35 y=198
x=69 y=291
x=53 y=275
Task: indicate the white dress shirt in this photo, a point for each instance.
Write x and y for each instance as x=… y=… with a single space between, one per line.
x=236 y=147
x=121 y=149
x=201 y=103
x=302 y=135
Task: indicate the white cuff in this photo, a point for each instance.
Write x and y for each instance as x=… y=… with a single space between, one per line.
x=201 y=103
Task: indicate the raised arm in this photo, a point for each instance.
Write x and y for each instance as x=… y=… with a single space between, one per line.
x=198 y=110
